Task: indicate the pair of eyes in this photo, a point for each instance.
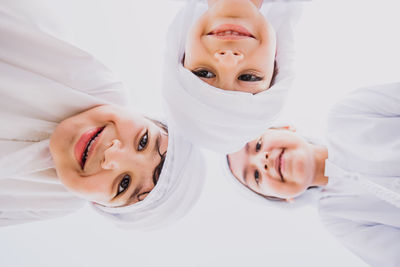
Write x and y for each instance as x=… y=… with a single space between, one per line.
x=246 y=77
x=126 y=180
x=257 y=174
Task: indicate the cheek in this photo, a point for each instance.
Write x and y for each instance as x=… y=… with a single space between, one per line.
x=302 y=169
x=91 y=188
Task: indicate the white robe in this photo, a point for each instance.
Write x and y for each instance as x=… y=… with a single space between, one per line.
x=361 y=203
x=43 y=80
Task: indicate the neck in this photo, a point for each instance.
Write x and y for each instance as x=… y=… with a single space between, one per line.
x=320 y=155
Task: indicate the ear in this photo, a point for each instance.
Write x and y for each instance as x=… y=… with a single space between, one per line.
x=287 y=127
x=257 y=3
x=290 y=200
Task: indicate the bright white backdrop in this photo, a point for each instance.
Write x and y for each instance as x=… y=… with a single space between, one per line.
x=341 y=45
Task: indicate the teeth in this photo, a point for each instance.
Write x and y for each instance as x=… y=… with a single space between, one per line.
x=89 y=145
x=229 y=33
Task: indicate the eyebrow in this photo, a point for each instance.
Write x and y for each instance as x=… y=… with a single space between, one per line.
x=245 y=175
x=247 y=148
x=133 y=195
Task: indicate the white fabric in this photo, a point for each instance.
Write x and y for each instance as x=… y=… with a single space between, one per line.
x=44 y=80
x=221 y=120
x=177 y=190
x=361 y=203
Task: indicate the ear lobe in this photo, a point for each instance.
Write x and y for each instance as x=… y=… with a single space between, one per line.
x=289 y=128
x=290 y=200
x=257 y=3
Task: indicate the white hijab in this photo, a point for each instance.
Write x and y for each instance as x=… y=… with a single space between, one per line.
x=221 y=120
x=177 y=190
x=45 y=80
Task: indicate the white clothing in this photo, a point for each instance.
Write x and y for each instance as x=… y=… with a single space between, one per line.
x=221 y=120
x=361 y=203
x=44 y=80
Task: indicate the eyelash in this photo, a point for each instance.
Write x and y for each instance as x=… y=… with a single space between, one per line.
x=204 y=74
x=124 y=184
x=257 y=176
x=258 y=145
x=249 y=78
x=143 y=141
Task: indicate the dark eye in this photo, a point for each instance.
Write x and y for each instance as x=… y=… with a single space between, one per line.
x=204 y=74
x=249 y=78
x=124 y=184
x=257 y=176
x=258 y=145
x=143 y=141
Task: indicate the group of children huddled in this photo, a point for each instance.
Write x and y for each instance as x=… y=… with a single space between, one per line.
x=68 y=136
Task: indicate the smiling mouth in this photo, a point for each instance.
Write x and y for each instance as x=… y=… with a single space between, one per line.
x=279 y=165
x=86 y=144
x=230 y=31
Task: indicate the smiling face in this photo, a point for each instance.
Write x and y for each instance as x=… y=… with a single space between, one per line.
x=109 y=155
x=232 y=47
x=280 y=164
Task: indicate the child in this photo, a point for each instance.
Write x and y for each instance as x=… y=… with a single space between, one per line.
x=359 y=171
x=68 y=136
x=228 y=68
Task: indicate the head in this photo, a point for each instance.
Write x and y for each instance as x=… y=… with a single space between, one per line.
x=279 y=164
x=232 y=46
x=109 y=155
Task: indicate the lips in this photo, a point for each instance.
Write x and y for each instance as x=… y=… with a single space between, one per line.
x=279 y=164
x=86 y=145
x=230 y=32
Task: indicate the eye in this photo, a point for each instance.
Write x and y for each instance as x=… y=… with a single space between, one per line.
x=124 y=184
x=143 y=141
x=249 y=78
x=202 y=73
x=257 y=176
x=258 y=145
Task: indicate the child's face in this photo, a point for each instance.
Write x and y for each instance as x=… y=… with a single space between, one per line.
x=108 y=155
x=280 y=164
x=232 y=47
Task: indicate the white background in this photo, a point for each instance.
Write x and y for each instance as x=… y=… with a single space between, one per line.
x=341 y=45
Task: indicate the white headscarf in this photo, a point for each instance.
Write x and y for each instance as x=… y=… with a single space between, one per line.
x=221 y=120
x=177 y=190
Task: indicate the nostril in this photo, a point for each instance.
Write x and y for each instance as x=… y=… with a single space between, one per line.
x=236 y=54
x=266 y=167
x=266 y=156
x=222 y=53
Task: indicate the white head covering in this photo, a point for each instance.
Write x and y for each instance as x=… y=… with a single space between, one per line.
x=177 y=189
x=221 y=120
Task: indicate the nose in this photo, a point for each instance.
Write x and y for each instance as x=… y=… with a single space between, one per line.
x=260 y=159
x=228 y=57
x=111 y=155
